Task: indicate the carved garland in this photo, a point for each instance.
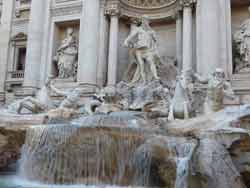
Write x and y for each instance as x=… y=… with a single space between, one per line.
x=148 y=4
x=154 y=9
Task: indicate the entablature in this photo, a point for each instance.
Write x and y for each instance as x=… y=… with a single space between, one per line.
x=154 y=9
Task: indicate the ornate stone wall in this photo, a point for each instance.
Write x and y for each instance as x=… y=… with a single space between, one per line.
x=115 y=16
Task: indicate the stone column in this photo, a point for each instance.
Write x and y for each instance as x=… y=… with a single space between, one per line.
x=34 y=47
x=179 y=36
x=89 y=42
x=103 y=47
x=5 y=34
x=214 y=42
x=187 y=36
x=113 y=46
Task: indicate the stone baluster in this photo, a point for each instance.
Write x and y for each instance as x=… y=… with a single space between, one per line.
x=34 y=47
x=89 y=43
x=113 y=12
x=187 y=36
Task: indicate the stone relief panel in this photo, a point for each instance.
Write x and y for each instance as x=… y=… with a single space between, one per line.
x=22 y=9
x=151 y=4
x=66 y=7
x=155 y=9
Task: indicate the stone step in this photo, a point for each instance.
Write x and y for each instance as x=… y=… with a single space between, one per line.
x=241 y=83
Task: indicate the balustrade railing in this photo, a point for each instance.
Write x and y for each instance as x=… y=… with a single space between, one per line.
x=16 y=75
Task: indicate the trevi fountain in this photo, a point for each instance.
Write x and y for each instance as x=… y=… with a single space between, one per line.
x=124 y=93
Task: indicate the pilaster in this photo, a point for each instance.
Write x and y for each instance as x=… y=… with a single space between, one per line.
x=187 y=65
x=34 y=47
x=5 y=32
x=113 y=12
x=89 y=43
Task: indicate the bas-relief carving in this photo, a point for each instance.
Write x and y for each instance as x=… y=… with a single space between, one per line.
x=241 y=47
x=155 y=9
x=66 y=57
x=22 y=9
x=148 y=3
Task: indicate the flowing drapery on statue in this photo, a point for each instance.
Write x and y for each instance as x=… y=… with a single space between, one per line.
x=242 y=48
x=66 y=57
x=142 y=43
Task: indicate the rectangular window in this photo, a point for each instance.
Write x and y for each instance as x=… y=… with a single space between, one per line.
x=21 y=59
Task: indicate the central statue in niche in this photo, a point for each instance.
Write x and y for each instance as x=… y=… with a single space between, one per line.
x=66 y=57
x=142 y=43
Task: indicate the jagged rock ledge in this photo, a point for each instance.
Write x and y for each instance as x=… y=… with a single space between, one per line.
x=220 y=158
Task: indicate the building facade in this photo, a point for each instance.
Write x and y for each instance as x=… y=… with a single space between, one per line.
x=201 y=35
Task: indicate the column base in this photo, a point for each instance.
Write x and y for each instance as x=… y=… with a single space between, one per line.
x=89 y=89
x=26 y=91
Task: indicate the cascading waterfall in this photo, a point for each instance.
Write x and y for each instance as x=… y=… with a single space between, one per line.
x=76 y=154
x=183 y=166
x=100 y=150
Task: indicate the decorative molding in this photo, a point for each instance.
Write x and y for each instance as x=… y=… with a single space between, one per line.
x=148 y=4
x=71 y=8
x=187 y=3
x=22 y=8
x=154 y=9
x=112 y=9
x=19 y=37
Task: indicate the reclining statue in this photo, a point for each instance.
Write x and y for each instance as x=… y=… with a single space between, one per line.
x=143 y=47
x=40 y=103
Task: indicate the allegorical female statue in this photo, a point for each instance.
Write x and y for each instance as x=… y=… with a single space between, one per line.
x=242 y=47
x=66 y=57
x=143 y=47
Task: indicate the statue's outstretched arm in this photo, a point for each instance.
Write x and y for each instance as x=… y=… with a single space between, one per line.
x=130 y=38
x=57 y=91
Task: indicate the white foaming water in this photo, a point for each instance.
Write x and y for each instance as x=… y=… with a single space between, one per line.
x=183 y=166
x=15 y=181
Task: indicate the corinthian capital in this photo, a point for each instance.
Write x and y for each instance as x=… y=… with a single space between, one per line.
x=112 y=9
x=187 y=3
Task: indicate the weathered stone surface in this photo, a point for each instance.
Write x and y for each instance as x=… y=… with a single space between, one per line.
x=11 y=141
x=12 y=135
x=21 y=120
x=121 y=148
x=240 y=153
x=214 y=166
